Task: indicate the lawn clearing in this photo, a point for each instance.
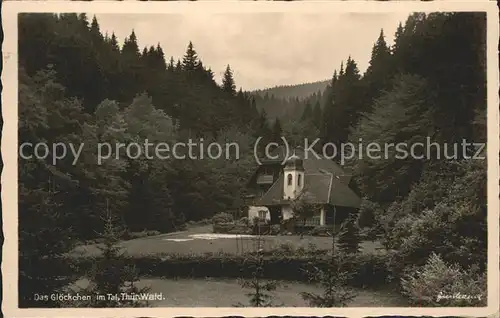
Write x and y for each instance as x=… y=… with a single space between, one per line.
x=201 y=240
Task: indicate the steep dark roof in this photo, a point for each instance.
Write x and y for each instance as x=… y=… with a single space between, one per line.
x=312 y=164
x=322 y=188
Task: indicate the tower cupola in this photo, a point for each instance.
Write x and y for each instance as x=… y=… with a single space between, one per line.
x=293 y=177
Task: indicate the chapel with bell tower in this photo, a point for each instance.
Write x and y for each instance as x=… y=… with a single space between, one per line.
x=293 y=177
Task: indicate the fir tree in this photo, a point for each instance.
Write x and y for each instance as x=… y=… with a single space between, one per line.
x=261 y=295
x=110 y=274
x=333 y=279
x=130 y=48
x=114 y=43
x=380 y=71
x=349 y=238
x=190 y=60
x=228 y=84
x=277 y=131
x=171 y=64
x=317 y=115
x=308 y=112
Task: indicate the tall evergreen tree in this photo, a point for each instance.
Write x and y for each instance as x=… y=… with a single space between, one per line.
x=349 y=239
x=110 y=275
x=380 y=70
x=317 y=115
x=190 y=60
x=308 y=112
x=228 y=84
x=277 y=130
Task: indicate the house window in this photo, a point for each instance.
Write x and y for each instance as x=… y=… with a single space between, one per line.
x=262 y=214
x=314 y=221
x=290 y=179
x=299 y=179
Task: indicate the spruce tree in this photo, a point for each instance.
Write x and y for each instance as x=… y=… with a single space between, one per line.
x=261 y=295
x=277 y=131
x=190 y=60
x=171 y=64
x=110 y=275
x=308 y=112
x=333 y=279
x=114 y=43
x=130 y=48
x=228 y=84
x=380 y=71
x=317 y=115
x=349 y=239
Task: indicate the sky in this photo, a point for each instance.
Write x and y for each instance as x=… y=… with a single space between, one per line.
x=263 y=49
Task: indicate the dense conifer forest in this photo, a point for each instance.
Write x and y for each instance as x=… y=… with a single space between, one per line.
x=78 y=85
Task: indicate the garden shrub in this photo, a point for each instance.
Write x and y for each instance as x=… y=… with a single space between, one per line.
x=222 y=217
x=261 y=228
x=440 y=284
x=322 y=230
x=367 y=212
x=181 y=227
x=445 y=230
x=454 y=228
x=231 y=228
x=275 y=229
x=244 y=220
x=136 y=235
x=399 y=232
x=200 y=222
x=371 y=234
x=286 y=248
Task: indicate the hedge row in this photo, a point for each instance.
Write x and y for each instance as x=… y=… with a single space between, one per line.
x=367 y=269
x=269 y=229
x=231 y=228
x=242 y=228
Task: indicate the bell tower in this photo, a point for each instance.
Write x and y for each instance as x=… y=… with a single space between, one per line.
x=293 y=177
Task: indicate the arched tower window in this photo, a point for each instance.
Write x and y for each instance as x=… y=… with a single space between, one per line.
x=289 y=179
x=299 y=180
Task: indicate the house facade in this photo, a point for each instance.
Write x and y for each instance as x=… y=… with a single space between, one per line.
x=275 y=185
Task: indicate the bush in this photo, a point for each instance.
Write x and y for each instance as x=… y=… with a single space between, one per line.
x=222 y=217
x=285 y=249
x=349 y=239
x=275 y=229
x=199 y=223
x=439 y=284
x=261 y=228
x=324 y=230
x=231 y=228
x=136 y=235
x=367 y=212
x=399 y=232
x=244 y=220
x=445 y=230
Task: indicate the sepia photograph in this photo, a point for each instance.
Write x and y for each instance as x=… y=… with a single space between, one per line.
x=277 y=156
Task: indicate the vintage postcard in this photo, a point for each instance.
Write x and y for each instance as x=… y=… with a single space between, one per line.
x=250 y=158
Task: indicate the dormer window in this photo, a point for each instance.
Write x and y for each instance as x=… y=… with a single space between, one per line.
x=299 y=180
x=289 y=179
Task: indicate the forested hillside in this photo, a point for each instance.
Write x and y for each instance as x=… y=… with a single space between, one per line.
x=288 y=102
x=77 y=85
x=299 y=91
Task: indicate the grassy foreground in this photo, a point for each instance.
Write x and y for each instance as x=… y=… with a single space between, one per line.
x=227 y=293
